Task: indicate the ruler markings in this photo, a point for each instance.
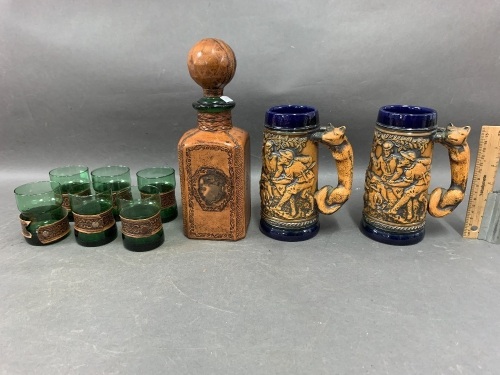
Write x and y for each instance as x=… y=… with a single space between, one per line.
x=483 y=179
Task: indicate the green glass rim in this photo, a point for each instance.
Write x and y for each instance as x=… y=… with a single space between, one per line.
x=110 y=171
x=138 y=195
x=153 y=173
x=32 y=189
x=92 y=194
x=68 y=171
x=142 y=193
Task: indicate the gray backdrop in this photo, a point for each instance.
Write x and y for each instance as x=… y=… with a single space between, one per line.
x=106 y=82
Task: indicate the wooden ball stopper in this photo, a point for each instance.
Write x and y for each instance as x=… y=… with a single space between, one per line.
x=211 y=63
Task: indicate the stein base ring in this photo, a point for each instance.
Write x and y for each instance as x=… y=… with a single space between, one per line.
x=391 y=238
x=289 y=235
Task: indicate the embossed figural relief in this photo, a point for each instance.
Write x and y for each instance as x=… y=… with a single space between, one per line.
x=289 y=174
x=287 y=179
x=398 y=177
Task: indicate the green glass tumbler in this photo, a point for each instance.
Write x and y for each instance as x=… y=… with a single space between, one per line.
x=164 y=179
x=43 y=218
x=114 y=177
x=142 y=229
x=94 y=221
x=74 y=179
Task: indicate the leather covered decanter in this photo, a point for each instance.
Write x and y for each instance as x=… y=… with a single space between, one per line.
x=214 y=158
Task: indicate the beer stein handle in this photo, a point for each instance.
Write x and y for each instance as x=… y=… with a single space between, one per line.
x=329 y=199
x=443 y=201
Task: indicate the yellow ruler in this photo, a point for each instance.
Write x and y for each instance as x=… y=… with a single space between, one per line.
x=483 y=180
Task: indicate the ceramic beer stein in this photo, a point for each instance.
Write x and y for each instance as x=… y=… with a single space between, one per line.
x=290 y=199
x=397 y=179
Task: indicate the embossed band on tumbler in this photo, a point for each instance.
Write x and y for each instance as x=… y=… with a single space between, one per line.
x=94 y=221
x=397 y=179
x=74 y=179
x=43 y=218
x=142 y=228
x=290 y=199
x=114 y=177
x=164 y=179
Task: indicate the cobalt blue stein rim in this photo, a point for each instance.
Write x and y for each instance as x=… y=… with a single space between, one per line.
x=292 y=117
x=408 y=117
